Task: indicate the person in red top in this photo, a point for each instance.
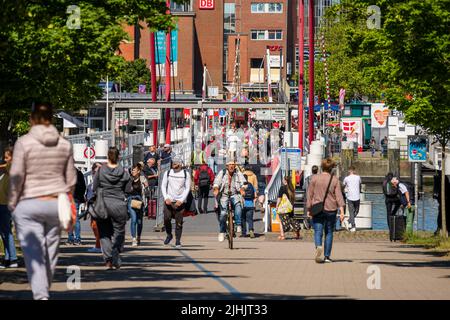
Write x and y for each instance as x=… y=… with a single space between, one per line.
x=203 y=180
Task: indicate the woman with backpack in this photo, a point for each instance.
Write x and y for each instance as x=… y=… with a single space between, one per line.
x=203 y=180
x=135 y=203
x=287 y=194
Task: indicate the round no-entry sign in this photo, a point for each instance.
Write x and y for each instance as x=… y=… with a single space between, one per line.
x=89 y=150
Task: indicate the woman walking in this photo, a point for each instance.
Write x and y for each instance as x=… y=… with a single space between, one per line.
x=135 y=202
x=6 y=234
x=287 y=216
x=325 y=188
x=90 y=196
x=33 y=195
x=112 y=178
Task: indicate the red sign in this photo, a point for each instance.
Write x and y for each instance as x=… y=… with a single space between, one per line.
x=206 y=4
x=91 y=151
x=274 y=48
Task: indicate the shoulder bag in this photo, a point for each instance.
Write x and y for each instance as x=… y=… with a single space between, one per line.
x=318 y=208
x=97 y=210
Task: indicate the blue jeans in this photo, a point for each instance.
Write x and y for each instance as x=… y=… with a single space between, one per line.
x=6 y=234
x=77 y=227
x=136 y=217
x=223 y=213
x=324 y=222
x=247 y=217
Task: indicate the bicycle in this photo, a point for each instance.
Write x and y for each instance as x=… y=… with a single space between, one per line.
x=230 y=226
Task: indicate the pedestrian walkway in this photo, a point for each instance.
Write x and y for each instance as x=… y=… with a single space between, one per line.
x=256 y=269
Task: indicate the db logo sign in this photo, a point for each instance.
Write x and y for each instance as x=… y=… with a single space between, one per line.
x=206 y=4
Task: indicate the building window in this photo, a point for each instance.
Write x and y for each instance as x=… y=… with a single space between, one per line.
x=347 y=111
x=256 y=63
x=181 y=7
x=258 y=7
x=366 y=111
x=267 y=35
x=229 y=18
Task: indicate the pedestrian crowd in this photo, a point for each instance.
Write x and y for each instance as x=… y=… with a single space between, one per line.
x=32 y=195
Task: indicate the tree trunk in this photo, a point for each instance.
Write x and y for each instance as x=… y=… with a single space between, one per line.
x=444 y=220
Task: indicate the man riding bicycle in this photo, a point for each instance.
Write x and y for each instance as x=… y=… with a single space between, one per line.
x=227 y=187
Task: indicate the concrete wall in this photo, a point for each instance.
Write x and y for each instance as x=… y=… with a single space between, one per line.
x=379 y=168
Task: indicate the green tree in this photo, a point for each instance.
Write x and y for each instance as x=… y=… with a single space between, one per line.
x=413 y=62
x=43 y=56
x=344 y=28
x=133 y=73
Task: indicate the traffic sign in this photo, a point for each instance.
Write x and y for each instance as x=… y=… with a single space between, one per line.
x=278 y=115
x=145 y=114
x=291 y=159
x=263 y=115
x=91 y=151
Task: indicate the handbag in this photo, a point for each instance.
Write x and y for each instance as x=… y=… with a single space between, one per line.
x=136 y=204
x=67 y=212
x=190 y=206
x=97 y=209
x=285 y=205
x=318 y=208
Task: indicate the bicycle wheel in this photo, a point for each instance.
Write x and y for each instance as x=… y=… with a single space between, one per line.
x=230 y=231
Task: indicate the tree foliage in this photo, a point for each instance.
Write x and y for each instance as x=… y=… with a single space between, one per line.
x=42 y=58
x=133 y=73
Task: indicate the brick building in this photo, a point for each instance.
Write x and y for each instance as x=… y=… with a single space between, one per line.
x=209 y=36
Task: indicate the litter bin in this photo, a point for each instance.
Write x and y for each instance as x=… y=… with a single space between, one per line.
x=410 y=219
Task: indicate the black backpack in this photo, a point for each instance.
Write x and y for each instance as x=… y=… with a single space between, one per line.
x=203 y=178
x=249 y=192
x=389 y=190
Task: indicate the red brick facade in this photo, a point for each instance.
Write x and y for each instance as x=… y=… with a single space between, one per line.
x=201 y=38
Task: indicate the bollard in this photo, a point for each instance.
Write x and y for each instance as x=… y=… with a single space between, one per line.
x=346 y=157
x=394 y=157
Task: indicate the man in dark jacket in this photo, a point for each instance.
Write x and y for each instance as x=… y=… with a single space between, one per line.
x=79 y=198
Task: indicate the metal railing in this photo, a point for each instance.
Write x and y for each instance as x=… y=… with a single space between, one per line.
x=271 y=194
x=81 y=138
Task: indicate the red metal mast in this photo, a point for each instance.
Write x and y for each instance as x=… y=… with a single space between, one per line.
x=311 y=19
x=167 y=67
x=153 y=83
x=301 y=48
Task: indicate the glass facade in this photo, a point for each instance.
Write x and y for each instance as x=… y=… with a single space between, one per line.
x=320 y=8
x=229 y=27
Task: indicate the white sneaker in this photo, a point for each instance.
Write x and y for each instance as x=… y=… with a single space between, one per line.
x=13 y=265
x=221 y=237
x=353 y=230
x=134 y=242
x=346 y=225
x=239 y=229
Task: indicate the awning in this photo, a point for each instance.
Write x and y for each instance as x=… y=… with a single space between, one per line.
x=77 y=123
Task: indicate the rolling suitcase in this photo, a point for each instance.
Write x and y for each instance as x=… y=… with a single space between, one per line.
x=398 y=227
x=151 y=212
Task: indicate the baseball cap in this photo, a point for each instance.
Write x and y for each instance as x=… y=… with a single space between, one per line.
x=177 y=159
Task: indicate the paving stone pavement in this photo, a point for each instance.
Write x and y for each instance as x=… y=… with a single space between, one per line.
x=257 y=269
